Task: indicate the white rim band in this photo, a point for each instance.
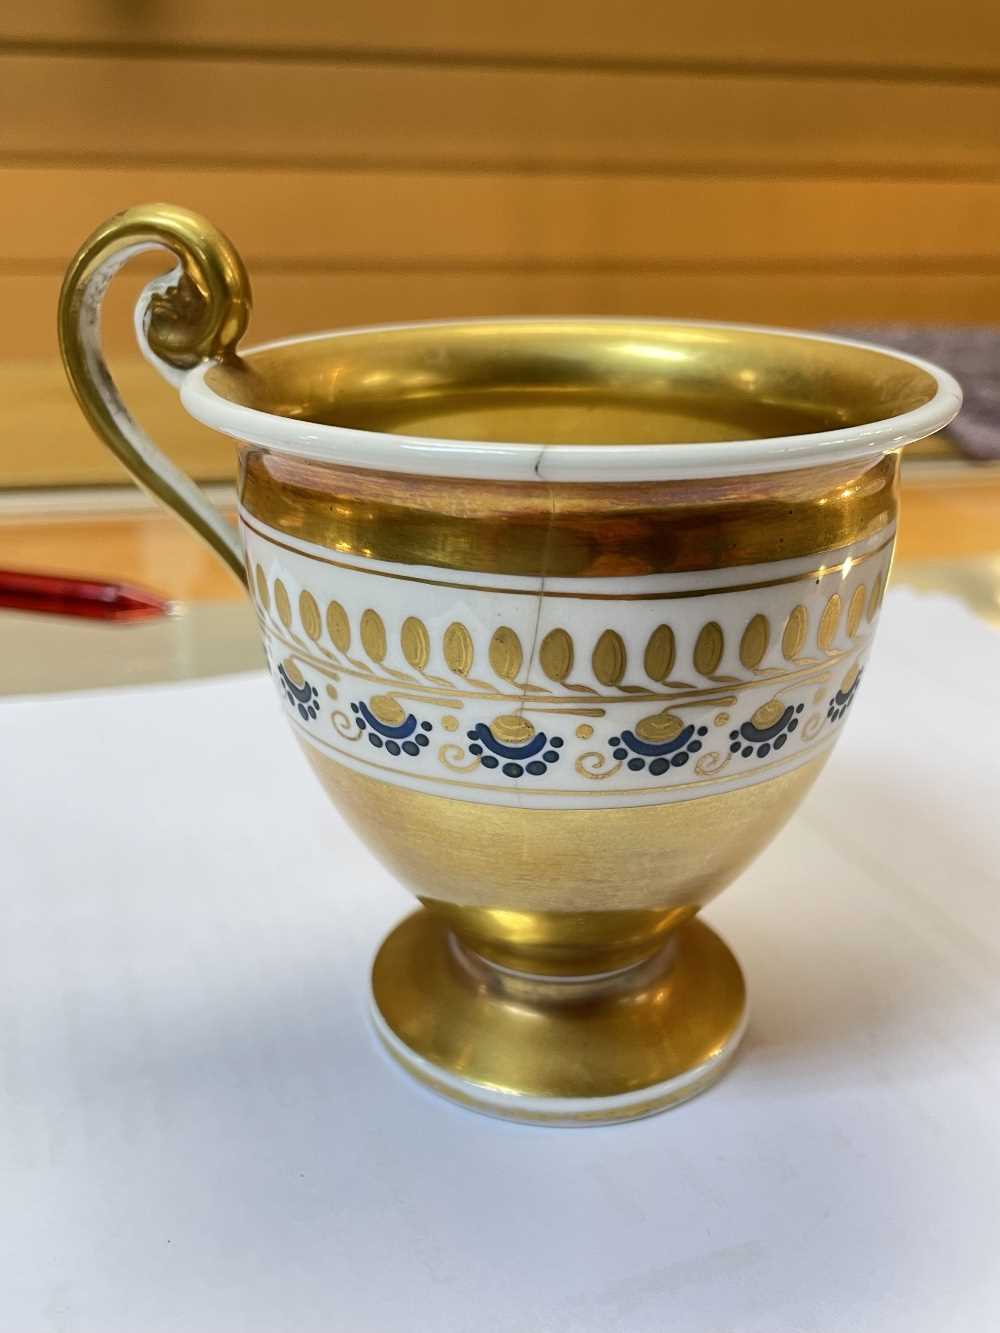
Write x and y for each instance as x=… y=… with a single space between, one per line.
x=572 y=463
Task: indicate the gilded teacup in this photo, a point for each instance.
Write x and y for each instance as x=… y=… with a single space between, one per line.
x=566 y=614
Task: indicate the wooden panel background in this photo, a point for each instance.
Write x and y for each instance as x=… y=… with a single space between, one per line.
x=873 y=34
x=395 y=161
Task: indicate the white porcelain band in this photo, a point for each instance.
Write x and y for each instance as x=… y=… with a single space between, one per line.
x=575 y=695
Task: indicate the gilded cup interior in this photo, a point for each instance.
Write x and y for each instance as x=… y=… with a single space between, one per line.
x=580 y=382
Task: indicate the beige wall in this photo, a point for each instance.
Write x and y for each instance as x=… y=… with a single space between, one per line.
x=785 y=162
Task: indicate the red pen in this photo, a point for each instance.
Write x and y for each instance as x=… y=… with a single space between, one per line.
x=90 y=599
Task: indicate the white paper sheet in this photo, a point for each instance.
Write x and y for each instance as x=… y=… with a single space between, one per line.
x=197 y=1131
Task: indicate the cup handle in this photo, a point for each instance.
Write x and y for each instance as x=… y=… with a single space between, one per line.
x=196 y=312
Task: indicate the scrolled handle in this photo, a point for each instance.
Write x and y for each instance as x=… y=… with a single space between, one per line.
x=198 y=311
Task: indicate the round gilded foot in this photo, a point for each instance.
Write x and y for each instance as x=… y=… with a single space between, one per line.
x=558 y=1051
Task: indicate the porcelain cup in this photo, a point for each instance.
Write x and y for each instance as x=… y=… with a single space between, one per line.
x=566 y=615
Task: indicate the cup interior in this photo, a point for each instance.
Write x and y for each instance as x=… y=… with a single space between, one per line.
x=578 y=382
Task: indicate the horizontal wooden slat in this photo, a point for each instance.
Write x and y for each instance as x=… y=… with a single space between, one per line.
x=396 y=219
x=73 y=106
x=291 y=303
x=44 y=440
x=890 y=33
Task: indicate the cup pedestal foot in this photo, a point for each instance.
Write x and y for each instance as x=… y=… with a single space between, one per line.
x=558 y=1050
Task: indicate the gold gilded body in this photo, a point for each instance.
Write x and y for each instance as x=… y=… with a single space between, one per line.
x=563 y=891
x=577 y=530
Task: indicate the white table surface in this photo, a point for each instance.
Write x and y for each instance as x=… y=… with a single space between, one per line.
x=198 y=1133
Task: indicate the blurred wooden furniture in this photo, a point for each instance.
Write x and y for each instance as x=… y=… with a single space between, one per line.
x=387 y=160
